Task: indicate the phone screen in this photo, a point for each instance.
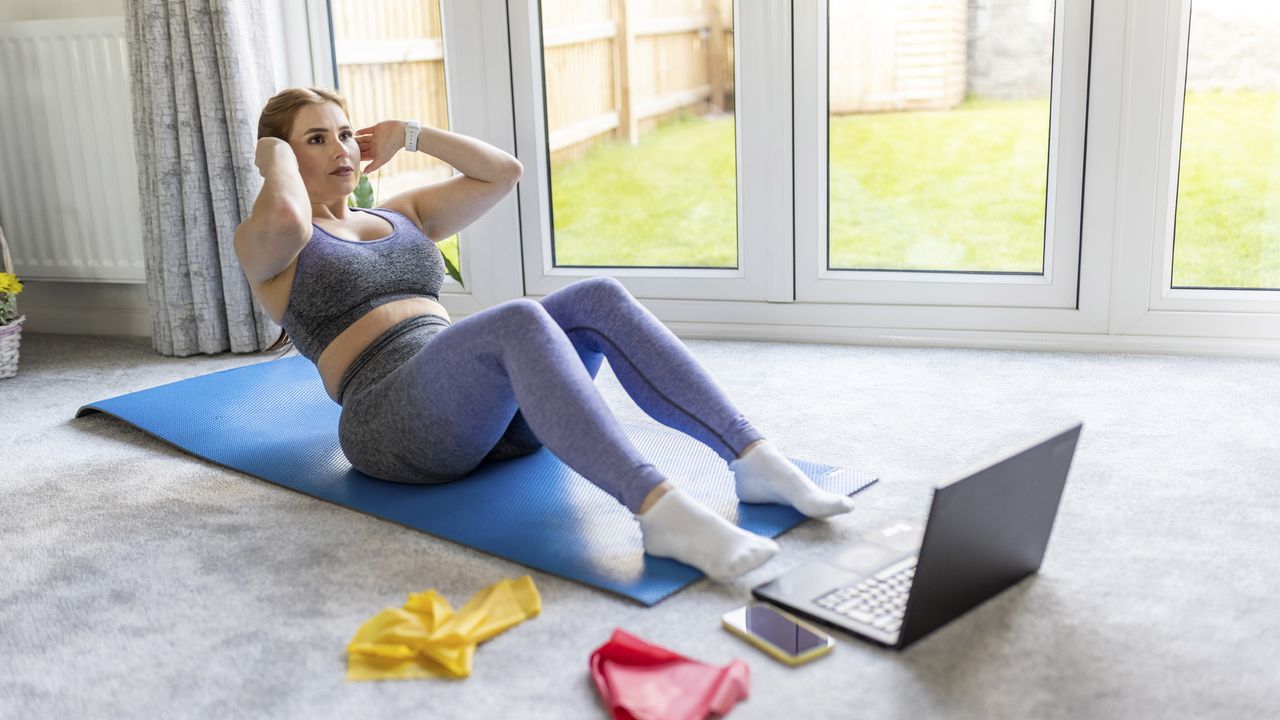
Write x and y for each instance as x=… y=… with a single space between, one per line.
x=780 y=631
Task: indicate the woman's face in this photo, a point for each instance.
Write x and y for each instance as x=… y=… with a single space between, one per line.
x=328 y=156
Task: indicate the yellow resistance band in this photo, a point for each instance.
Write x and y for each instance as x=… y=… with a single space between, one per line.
x=426 y=638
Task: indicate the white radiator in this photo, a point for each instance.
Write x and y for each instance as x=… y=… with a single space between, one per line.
x=68 y=180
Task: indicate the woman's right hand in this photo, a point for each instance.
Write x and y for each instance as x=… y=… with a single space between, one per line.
x=266 y=153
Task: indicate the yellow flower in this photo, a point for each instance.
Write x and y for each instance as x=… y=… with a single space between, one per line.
x=9 y=283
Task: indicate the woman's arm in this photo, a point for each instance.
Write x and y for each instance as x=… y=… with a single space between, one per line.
x=445 y=207
x=474 y=158
x=280 y=223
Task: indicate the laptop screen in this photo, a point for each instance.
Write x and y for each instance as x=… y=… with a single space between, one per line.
x=986 y=531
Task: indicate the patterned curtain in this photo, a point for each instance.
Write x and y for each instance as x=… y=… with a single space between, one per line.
x=201 y=74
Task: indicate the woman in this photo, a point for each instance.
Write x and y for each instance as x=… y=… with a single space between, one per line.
x=425 y=400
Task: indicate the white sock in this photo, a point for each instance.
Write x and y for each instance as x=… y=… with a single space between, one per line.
x=679 y=527
x=765 y=475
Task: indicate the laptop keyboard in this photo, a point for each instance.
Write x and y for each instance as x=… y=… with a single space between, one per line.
x=879 y=601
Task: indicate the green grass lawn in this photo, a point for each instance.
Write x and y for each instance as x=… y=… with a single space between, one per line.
x=1227 y=226
x=952 y=190
x=957 y=189
x=668 y=201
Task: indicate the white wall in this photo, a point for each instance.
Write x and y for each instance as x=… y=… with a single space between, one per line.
x=78 y=307
x=119 y=308
x=57 y=9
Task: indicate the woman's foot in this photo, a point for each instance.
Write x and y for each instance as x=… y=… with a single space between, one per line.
x=679 y=527
x=765 y=475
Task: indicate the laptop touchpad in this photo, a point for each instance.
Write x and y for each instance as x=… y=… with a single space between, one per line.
x=864 y=558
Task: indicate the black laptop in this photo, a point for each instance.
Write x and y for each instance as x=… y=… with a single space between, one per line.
x=987 y=529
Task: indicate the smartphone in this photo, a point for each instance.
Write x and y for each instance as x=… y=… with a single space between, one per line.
x=784 y=637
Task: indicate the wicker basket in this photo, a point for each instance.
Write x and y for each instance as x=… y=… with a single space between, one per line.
x=11 y=333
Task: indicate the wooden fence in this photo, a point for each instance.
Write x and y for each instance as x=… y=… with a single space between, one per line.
x=617 y=68
x=903 y=55
x=614 y=69
x=390 y=57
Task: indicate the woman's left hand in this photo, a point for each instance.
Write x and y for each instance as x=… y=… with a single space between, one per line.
x=379 y=143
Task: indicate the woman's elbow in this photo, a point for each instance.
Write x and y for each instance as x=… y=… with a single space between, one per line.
x=517 y=171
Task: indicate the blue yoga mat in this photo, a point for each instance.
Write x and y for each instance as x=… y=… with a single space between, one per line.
x=274 y=421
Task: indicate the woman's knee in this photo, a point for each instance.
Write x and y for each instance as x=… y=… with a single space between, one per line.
x=523 y=313
x=521 y=307
x=579 y=301
x=603 y=285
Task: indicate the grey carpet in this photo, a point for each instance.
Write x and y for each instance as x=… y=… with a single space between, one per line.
x=141 y=582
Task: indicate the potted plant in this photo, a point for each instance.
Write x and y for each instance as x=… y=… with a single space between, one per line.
x=10 y=321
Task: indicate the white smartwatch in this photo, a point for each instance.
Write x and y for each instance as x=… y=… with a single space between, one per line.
x=411 y=129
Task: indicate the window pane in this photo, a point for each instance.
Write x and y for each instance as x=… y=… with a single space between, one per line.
x=390 y=57
x=640 y=130
x=939 y=133
x=1227 y=225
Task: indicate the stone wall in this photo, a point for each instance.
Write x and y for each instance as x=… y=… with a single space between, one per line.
x=1234 y=44
x=1010 y=48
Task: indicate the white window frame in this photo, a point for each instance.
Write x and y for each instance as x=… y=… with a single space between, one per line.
x=762 y=82
x=302 y=42
x=293 y=53
x=1131 y=124
x=478 y=87
x=1055 y=288
x=1150 y=305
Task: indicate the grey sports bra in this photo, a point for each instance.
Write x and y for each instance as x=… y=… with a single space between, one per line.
x=337 y=281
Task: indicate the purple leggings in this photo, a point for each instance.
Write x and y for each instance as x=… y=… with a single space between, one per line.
x=427 y=402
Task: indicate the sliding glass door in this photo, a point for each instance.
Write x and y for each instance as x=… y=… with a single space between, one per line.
x=918 y=151
x=939 y=153
x=655 y=138
x=1226 y=231
x=1206 y=229
x=882 y=171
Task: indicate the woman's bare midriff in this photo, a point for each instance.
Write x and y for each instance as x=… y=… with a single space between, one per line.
x=339 y=354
